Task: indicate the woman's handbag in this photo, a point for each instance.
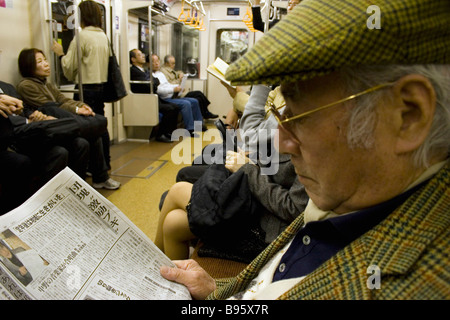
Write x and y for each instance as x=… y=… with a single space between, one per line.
x=114 y=89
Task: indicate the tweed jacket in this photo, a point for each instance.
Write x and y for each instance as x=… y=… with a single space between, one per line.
x=171 y=75
x=411 y=247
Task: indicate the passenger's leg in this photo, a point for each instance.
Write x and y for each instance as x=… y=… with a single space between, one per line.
x=15 y=180
x=79 y=156
x=196 y=112
x=100 y=176
x=192 y=173
x=93 y=97
x=178 y=197
x=186 y=112
x=97 y=161
x=203 y=102
x=169 y=120
x=177 y=235
x=52 y=161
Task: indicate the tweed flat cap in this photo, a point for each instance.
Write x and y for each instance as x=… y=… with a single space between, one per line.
x=320 y=36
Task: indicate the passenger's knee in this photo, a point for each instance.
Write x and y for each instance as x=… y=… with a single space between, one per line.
x=178 y=190
x=60 y=153
x=175 y=225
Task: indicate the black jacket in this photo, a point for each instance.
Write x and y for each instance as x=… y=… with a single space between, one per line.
x=137 y=74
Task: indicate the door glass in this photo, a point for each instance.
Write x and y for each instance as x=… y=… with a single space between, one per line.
x=186 y=50
x=62 y=12
x=231 y=44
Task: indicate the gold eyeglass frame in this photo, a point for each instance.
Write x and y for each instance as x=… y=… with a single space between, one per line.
x=281 y=121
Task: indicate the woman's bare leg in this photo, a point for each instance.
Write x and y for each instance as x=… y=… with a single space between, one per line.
x=177 y=235
x=178 y=197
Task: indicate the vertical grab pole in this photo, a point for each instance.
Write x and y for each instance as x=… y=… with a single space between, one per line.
x=53 y=36
x=150 y=45
x=80 y=76
x=267 y=16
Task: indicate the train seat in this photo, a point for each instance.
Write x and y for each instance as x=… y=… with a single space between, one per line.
x=140 y=109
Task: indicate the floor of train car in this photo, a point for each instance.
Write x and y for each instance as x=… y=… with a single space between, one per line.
x=146 y=170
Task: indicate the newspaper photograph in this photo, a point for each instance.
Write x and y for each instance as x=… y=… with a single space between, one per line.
x=69 y=242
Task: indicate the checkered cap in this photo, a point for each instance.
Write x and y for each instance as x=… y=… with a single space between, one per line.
x=320 y=36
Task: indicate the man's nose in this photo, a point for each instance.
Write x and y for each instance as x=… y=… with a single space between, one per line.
x=286 y=142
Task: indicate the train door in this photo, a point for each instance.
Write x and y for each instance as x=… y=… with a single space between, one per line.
x=228 y=40
x=64 y=27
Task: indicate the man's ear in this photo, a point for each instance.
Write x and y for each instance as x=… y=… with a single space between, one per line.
x=415 y=104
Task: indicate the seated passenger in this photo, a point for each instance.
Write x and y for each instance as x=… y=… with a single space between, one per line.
x=16 y=169
x=240 y=99
x=367 y=125
x=37 y=91
x=255 y=209
x=18 y=180
x=189 y=107
x=169 y=111
x=175 y=77
x=257 y=128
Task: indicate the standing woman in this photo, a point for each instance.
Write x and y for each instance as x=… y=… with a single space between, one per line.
x=94 y=62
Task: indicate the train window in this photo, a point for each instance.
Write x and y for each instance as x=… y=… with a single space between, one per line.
x=144 y=37
x=186 y=49
x=231 y=44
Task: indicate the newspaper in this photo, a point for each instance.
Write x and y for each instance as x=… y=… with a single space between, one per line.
x=69 y=242
x=183 y=91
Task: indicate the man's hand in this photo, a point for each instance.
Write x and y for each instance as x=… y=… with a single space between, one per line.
x=5 y=110
x=10 y=105
x=85 y=110
x=199 y=283
x=232 y=119
x=235 y=160
x=39 y=116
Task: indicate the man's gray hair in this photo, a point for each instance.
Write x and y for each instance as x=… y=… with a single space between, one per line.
x=363 y=116
x=167 y=57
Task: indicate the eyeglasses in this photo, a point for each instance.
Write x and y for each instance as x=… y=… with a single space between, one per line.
x=286 y=122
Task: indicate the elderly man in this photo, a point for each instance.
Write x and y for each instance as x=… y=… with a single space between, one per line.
x=175 y=77
x=168 y=112
x=189 y=107
x=367 y=125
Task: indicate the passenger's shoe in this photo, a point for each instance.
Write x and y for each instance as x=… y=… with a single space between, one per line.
x=210 y=115
x=163 y=138
x=109 y=184
x=204 y=128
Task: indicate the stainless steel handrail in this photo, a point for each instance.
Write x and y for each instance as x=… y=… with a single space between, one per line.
x=150 y=47
x=80 y=73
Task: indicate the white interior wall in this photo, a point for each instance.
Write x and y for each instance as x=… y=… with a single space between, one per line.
x=13 y=40
x=133 y=32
